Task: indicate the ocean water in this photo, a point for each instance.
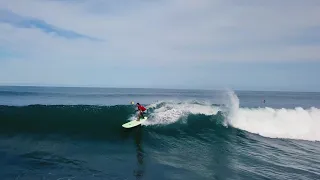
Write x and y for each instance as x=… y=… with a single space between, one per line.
x=75 y=133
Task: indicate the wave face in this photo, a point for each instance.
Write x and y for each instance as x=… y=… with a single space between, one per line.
x=297 y=123
x=64 y=119
x=97 y=121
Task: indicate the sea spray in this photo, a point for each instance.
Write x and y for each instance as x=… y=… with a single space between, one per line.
x=231 y=102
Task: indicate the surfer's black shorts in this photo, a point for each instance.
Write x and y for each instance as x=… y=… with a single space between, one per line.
x=143 y=113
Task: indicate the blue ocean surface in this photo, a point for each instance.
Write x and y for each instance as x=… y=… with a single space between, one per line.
x=76 y=133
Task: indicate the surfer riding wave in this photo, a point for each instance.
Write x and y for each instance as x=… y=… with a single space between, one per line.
x=141 y=110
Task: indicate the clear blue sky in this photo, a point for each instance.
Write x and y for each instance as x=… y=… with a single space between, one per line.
x=205 y=44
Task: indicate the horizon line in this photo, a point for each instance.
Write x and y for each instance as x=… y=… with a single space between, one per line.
x=160 y=88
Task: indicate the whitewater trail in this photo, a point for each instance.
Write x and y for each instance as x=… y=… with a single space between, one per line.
x=163 y=113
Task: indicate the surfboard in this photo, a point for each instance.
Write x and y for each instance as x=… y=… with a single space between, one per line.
x=134 y=123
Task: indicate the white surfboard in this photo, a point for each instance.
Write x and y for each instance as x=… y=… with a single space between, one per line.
x=134 y=123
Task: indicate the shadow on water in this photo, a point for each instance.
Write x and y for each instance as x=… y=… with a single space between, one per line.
x=138 y=136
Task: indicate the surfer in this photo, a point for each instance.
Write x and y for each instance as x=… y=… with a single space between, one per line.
x=141 y=110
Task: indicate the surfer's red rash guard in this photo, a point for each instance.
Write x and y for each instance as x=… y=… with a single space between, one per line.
x=141 y=108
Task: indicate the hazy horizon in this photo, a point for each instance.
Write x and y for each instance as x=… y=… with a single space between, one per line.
x=155 y=88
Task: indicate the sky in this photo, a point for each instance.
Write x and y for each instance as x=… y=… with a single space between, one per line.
x=198 y=44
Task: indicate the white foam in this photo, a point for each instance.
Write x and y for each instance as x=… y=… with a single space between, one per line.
x=297 y=123
x=170 y=111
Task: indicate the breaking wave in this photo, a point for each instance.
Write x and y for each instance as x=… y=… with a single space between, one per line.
x=297 y=123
